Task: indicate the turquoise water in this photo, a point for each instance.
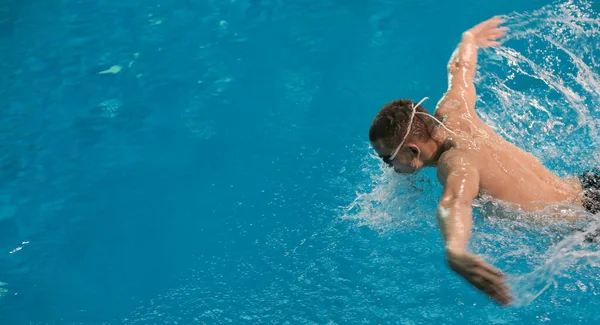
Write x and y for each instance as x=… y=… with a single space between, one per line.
x=207 y=162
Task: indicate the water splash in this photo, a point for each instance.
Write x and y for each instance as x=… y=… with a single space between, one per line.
x=541 y=91
x=574 y=252
x=381 y=205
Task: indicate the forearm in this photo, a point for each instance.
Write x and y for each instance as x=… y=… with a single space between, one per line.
x=464 y=59
x=461 y=71
x=455 y=217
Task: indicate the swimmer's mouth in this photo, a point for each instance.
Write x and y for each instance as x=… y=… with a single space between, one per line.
x=413 y=172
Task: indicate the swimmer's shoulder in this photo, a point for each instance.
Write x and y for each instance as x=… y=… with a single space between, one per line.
x=453 y=109
x=454 y=118
x=456 y=158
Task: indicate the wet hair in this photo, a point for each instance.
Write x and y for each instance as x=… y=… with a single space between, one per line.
x=392 y=120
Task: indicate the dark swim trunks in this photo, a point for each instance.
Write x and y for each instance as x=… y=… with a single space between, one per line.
x=590 y=180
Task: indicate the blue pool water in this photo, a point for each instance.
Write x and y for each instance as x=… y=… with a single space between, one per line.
x=207 y=162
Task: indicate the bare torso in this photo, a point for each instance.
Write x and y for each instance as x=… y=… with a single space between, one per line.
x=507 y=173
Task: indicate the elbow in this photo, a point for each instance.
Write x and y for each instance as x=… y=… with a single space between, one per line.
x=463 y=69
x=448 y=202
x=453 y=201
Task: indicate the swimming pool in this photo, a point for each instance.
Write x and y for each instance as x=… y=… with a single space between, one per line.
x=206 y=162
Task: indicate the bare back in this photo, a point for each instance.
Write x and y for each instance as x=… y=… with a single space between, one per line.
x=478 y=161
x=506 y=172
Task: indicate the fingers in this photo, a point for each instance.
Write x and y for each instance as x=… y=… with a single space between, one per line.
x=494 y=21
x=501 y=294
x=490 y=44
x=497 y=33
x=493 y=287
x=498 y=291
x=486 y=33
x=484 y=277
x=485 y=269
x=490 y=23
x=490 y=269
x=502 y=297
x=490 y=275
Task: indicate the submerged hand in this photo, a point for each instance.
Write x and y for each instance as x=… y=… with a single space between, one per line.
x=486 y=33
x=480 y=274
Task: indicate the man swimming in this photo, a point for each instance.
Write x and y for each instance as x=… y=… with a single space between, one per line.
x=471 y=160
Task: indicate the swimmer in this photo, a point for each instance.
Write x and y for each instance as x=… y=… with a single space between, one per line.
x=471 y=160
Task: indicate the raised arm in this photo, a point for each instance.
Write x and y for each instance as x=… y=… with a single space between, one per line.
x=454 y=213
x=463 y=64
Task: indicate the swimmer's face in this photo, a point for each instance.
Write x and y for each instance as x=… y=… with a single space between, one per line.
x=407 y=161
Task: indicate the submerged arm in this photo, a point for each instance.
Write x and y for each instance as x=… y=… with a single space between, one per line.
x=463 y=65
x=455 y=219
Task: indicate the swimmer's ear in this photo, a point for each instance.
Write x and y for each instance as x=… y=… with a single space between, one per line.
x=414 y=150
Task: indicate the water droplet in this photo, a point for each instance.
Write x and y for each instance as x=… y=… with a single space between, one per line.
x=110 y=107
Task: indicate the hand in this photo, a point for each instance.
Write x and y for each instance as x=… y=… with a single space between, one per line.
x=480 y=274
x=486 y=33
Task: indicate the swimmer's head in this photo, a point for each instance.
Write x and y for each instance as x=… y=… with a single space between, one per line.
x=390 y=129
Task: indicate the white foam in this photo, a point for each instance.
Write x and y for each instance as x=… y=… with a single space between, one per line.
x=540 y=91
